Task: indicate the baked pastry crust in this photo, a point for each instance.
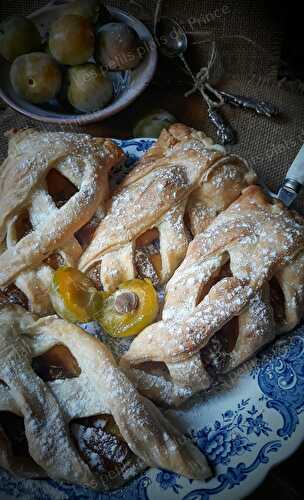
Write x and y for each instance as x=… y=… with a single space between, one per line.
x=157 y=195
x=86 y=163
x=262 y=243
x=101 y=388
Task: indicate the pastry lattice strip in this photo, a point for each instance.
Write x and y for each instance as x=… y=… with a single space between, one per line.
x=155 y=195
x=86 y=163
x=262 y=242
x=101 y=388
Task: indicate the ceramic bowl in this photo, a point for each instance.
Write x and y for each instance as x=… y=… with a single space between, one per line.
x=128 y=85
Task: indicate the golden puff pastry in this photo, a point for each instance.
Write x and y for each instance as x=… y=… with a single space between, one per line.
x=33 y=226
x=242 y=282
x=154 y=201
x=62 y=444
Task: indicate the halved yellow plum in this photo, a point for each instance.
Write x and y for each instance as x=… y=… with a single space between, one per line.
x=128 y=310
x=74 y=296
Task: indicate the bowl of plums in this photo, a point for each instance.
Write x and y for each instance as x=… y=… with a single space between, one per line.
x=74 y=61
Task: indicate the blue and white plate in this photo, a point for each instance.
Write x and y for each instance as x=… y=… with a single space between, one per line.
x=245 y=426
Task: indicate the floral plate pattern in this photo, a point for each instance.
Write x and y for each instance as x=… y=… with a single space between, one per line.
x=249 y=422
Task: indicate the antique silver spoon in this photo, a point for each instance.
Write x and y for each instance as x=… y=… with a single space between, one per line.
x=172 y=41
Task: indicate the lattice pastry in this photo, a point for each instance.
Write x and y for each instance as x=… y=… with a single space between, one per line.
x=165 y=189
x=242 y=282
x=80 y=420
x=51 y=185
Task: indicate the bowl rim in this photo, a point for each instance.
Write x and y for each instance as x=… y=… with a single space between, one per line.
x=85 y=118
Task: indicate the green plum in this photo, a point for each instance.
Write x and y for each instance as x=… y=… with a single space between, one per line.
x=89 y=88
x=72 y=40
x=153 y=123
x=36 y=77
x=88 y=8
x=118 y=47
x=18 y=36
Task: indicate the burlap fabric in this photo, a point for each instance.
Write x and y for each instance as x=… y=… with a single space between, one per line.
x=248 y=38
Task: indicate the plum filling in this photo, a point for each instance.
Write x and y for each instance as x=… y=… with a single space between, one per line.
x=12 y=295
x=85 y=234
x=57 y=363
x=54 y=261
x=100 y=443
x=216 y=353
x=97 y=438
x=13 y=426
x=59 y=187
x=277 y=300
x=154 y=367
x=94 y=275
x=23 y=225
x=147 y=238
x=147 y=256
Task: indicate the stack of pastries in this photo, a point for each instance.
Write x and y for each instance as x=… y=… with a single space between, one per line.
x=189 y=221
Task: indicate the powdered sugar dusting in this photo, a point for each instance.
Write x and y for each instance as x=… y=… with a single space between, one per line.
x=259 y=240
